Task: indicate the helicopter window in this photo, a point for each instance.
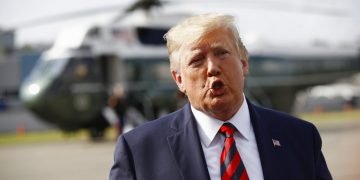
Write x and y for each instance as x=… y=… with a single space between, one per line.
x=151 y=35
x=51 y=67
x=58 y=66
x=148 y=70
x=81 y=69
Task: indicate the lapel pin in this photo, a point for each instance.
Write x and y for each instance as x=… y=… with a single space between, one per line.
x=276 y=143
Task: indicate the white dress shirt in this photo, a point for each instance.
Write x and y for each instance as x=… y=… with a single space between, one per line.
x=212 y=142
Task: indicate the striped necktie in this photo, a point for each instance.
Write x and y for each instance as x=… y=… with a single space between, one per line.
x=231 y=165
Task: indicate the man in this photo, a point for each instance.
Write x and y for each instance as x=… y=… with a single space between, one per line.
x=219 y=134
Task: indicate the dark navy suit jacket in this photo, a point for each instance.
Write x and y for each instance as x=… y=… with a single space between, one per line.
x=170 y=149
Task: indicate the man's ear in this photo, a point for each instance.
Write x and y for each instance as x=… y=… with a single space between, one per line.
x=177 y=78
x=245 y=66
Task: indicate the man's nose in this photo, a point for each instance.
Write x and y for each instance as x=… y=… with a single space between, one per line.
x=213 y=68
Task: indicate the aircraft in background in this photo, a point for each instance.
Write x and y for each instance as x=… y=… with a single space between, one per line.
x=291 y=47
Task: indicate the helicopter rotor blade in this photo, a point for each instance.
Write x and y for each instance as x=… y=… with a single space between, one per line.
x=140 y=4
x=124 y=11
x=145 y=5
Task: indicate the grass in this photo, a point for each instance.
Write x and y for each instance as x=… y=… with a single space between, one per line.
x=331 y=117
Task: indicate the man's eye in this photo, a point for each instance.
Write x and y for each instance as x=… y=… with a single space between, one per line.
x=222 y=53
x=196 y=61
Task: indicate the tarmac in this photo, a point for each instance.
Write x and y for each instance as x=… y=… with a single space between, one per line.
x=341 y=149
x=77 y=160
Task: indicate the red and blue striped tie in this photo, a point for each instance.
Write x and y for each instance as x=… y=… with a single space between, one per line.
x=231 y=165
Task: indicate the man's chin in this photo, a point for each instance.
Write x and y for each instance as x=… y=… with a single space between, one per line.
x=219 y=103
x=221 y=111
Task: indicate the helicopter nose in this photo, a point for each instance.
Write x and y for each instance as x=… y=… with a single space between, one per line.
x=30 y=92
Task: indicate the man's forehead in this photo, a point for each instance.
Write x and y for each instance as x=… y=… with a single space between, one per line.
x=215 y=37
x=208 y=45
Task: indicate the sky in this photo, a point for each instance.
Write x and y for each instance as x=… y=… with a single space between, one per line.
x=15 y=12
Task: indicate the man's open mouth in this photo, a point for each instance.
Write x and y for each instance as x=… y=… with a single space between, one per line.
x=217 y=88
x=217 y=85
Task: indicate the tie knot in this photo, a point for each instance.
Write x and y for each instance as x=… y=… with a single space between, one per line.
x=227 y=129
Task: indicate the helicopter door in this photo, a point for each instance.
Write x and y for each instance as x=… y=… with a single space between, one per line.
x=111 y=72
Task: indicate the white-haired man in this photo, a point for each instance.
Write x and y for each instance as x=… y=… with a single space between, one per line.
x=219 y=134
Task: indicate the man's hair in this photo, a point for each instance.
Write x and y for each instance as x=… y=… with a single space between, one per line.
x=193 y=29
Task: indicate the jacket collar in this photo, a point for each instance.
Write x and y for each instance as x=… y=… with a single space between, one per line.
x=185 y=146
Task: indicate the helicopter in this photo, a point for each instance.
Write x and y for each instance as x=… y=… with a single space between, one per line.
x=72 y=81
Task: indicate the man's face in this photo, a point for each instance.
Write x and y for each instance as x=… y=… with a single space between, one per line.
x=212 y=75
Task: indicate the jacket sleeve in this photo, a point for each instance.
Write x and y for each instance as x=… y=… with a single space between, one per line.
x=322 y=171
x=123 y=168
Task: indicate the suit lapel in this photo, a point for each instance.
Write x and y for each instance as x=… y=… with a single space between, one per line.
x=186 y=148
x=270 y=154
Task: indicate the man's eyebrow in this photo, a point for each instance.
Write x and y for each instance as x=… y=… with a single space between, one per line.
x=191 y=54
x=195 y=50
x=217 y=45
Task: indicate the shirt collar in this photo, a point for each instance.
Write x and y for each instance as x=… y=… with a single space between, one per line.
x=208 y=126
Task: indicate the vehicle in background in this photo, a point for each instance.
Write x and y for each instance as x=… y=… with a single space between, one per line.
x=338 y=96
